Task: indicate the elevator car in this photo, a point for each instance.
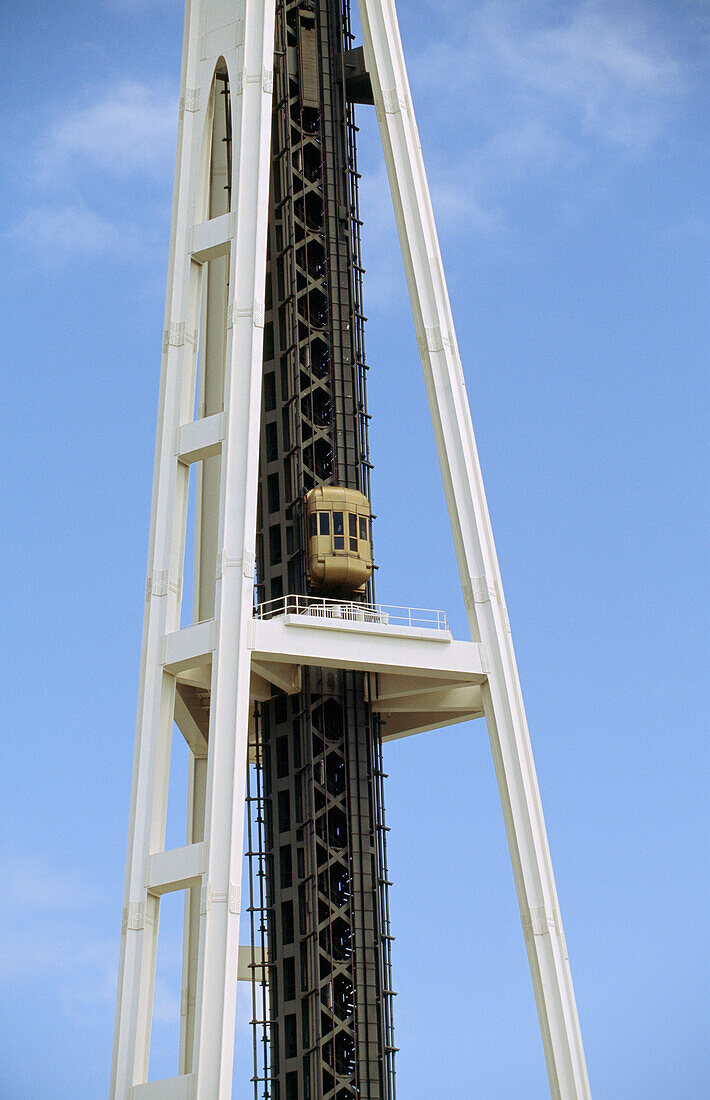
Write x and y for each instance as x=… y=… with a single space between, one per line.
x=339 y=540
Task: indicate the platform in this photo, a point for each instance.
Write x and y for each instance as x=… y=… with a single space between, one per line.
x=419 y=677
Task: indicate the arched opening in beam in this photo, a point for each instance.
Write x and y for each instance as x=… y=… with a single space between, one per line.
x=212 y=346
x=203 y=509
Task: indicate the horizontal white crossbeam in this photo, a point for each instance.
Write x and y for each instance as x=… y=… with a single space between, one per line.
x=190 y=647
x=175 y=869
x=244 y=969
x=171 y=1088
x=367 y=647
x=422 y=678
x=398 y=686
x=200 y=439
x=211 y=239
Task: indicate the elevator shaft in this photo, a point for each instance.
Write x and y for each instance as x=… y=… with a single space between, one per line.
x=328 y=1017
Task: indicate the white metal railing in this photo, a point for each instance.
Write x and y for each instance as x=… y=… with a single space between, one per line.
x=354 y=612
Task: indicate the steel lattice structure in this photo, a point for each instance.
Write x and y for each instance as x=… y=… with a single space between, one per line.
x=328 y=975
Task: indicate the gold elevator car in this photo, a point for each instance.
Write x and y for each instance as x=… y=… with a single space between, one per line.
x=339 y=539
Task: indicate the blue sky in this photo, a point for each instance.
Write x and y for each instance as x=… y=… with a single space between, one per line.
x=567 y=145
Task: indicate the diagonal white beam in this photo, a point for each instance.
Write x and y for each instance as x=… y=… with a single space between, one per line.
x=190 y=719
x=475 y=552
x=397 y=726
x=465 y=699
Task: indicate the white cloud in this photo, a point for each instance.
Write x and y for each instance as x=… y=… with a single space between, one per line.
x=93 y=152
x=543 y=90
x=473 y=193
x=604 y=67
x=57 y=235
x=128 y=131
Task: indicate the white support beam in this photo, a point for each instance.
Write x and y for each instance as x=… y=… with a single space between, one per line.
x=260 y=689
x=393 y=686
x=250 y=69
x=397 y=726
x=189 y=720
x=295 y=640
x=175 y=869
x=242 y=33
x=190 y=647
x=432 y=707
x=197 y=676
x=465 y=698
x=170 y=1088
x=286 y=677
x=475 y=550
x=246 y=956
x=212 y=238
x=200 y=439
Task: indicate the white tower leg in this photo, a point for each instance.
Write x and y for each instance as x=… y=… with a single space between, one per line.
x=475 y=551
x=242 y=34
x=229 y=719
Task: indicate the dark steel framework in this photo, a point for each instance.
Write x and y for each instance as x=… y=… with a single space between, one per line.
x=316 y=841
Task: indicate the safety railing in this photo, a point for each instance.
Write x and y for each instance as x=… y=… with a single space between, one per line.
x=319 y=607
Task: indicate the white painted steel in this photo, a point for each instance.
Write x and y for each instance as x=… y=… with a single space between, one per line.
x=369 y=648
x=211 y=238
x=174 y=868
x=190 y=730
x=475 y=551
x=242 y=33
x=172 y=1088
x=428 y=679
x=190 y=647
x=200 y=439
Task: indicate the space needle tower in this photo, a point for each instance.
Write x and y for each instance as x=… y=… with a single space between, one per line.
x=264 y=646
